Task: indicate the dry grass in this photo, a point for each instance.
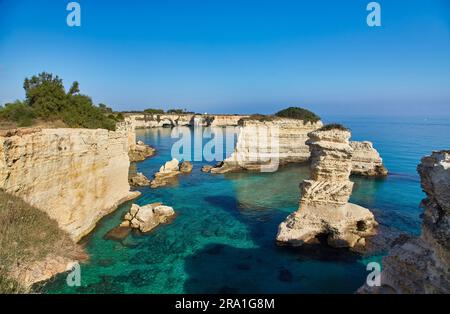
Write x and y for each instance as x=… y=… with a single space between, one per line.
x=27 y=235
x=38 y=123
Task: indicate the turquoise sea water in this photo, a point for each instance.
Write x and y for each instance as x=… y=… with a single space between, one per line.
x=222 y=239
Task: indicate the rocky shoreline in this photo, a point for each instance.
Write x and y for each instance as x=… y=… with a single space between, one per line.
x=422 y=265
x=68 y=173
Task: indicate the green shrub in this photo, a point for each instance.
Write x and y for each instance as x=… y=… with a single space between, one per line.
x=153 y=111
x=334 y=126
x=298 y=113
x=120 y=117
x=257 y=117
x=179 y=111
x=18 y=112
x=81 y=113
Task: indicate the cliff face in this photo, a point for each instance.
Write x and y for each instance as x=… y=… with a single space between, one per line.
x=263 y=145
x=225 y=120
x=75 y=175
x=324 y=209
x=143 y=121
x=421 y=265
x=366 y=161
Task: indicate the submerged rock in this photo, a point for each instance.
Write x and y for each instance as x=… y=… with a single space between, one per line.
x=139 y=179
x=324 y=209
x=118 y=233
x=421 y=265
x=145 y=218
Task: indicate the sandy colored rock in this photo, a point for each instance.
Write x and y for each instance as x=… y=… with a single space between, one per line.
x=141 y=152
x=142 y=121
x=138 y=179
x=264 y=145
x=145 y=218
x=366 y=160
x=324 y=209
x=167 y=173
x=207 y=168
x=76 y=176
x=421 y=265
x=186 y=167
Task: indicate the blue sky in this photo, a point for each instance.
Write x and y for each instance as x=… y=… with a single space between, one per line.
x=236 y=56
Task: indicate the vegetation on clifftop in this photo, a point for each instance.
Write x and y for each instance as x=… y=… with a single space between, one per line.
x=47 y=101
x=298 y=113
x=334 y=126
x=291 y=113
x=27 y=234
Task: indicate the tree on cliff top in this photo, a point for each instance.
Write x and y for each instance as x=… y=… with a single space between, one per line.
x=47 y=100
x=298 y=113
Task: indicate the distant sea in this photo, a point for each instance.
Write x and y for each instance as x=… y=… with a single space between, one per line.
x=222 y=239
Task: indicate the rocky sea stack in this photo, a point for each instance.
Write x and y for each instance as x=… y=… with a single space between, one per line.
x=421 y=265
x=324 y=209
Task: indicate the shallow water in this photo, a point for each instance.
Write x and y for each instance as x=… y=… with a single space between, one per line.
x=222 y=239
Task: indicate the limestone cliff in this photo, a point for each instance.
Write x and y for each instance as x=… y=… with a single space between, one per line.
x=324 y=208
x=421 y=265
x=75 y=175
x=263 y=145
x=143 y=121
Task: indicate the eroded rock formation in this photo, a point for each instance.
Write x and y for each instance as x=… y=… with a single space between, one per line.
x=75 y=175
x=324 y=209
x=366 y=161
x=186 y=167
x=421 y=265
x=145 y=218
x=138 y=179
x=166 y=173
x=264 y=145
x=142 y=121
x=140 y=152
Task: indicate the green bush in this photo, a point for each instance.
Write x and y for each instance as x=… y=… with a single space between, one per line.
x=120 y=117
x=153 y=111
x=179 y=111
x=19 y=113
x=298 y=113
x=80 y=113
x=334 y=126
x=256 y=117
